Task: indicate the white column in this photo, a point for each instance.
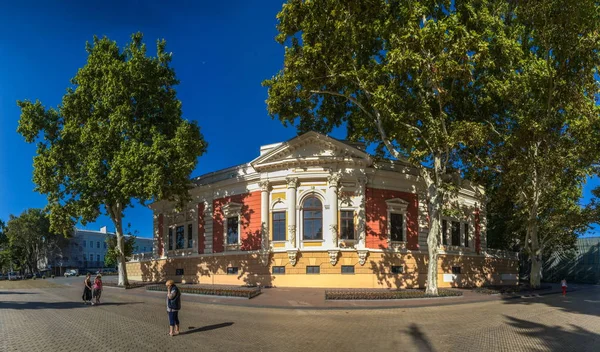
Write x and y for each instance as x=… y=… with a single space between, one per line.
x=292 y=184
x=332 y=199
x=361 y=216
x=265 y=187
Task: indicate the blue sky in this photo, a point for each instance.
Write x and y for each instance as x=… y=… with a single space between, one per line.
x=222 y=51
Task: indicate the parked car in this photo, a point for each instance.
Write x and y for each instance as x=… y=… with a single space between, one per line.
x=14 y=276
x=37 y=275
x=28 y=276
x=3 y=277
x=71 y=272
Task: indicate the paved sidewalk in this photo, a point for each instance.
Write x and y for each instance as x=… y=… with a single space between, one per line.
x=314 y=298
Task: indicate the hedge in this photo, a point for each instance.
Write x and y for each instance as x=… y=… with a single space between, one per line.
x=378 y=294
x=508 y=290
x=228 y=291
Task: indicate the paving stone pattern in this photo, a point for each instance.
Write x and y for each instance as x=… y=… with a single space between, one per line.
x=54 y=319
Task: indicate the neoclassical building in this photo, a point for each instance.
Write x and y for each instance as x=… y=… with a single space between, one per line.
x=319 y=212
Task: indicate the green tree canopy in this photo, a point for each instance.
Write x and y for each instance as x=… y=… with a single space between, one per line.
x=400 y=74
x=111 y=258
x=118 y=135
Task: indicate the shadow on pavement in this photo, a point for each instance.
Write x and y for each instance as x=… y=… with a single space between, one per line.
x=555 y=338
x=585 y=300
x=421 y=342
x=206 y=328
x=54 y=305
x=17 y=293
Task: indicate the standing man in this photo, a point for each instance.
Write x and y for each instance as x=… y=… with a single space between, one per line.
x=173 y=307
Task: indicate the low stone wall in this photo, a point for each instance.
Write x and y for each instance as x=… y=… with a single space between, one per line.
x=475 y=270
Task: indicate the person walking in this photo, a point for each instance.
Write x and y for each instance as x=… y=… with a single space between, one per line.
x=87 y=289
x=173 y=307
x=563 y=284
x=97 y=289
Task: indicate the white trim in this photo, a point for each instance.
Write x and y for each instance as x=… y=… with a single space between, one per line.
x=232 y=210
x=305 y=195
x=396 y=206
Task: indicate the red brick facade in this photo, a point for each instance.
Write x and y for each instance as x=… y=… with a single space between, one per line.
x=249 y=220
x=376 y=211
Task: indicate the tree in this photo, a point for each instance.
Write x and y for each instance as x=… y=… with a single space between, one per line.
x=398 y=73
x=117 y=136
x=112 y=257
x=30 y=238
x=546 y=118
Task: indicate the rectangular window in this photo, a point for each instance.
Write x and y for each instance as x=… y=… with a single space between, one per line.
x=84 y=244
x=279 y=226
x=456 y=270
x=97 y=244
x=347 y=269
x=312 y=225
x=104 y=245
x=178 y=271
x=444 y=232
x=397 y=269
x=189 y=236
x=396 y=222
x=144 y=250
x=180 y=237
x=455 y=233
x=467 y=234
x=232 y=270
x=313 y=269
x=279 y=270
x=97 y=257
x=347 y=225
x=91 y=257
x=232 y=230
x=170 y=238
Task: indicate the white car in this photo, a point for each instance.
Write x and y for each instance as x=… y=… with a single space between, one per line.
x=14 y=276
x=70 y=273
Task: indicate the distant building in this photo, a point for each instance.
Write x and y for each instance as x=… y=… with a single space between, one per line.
x=87 y=249
x=581 y=265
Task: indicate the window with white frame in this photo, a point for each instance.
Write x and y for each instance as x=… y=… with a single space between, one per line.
x=396 y=219
x=279 y=221
x=312 y=219
x=456 y=227
x=466 y=233
x=232 y=213
x=179 y=237
x=347 y=224
x=455 y=232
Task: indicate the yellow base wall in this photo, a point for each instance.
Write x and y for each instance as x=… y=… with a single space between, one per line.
x=375 y=273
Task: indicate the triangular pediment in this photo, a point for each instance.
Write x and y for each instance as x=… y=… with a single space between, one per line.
x=311 y=148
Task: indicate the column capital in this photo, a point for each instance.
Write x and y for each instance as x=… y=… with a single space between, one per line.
x=362 y=180
x=334 y=179
x=292 y=182
x=265 y=186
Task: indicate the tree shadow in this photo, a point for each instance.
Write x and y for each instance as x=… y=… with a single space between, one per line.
x=555 y=338
x=421 y=342
x=17 y=293
x=585 y=301
x=55 y=305
x=206 y=328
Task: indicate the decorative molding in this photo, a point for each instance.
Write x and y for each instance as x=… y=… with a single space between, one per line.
x=232 y=209
x=265 y=186
x=362 y=256
x=292 y=235
x=292 y=182
x=333 y=256
x=397 y=204
x=334 y=179
x=293 y=256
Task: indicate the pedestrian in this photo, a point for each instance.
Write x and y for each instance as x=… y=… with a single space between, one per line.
x=97 y=289
x=87 y=289
x=173 y=307
x=563 y=284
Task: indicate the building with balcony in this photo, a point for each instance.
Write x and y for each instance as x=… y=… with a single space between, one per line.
x=319 y=212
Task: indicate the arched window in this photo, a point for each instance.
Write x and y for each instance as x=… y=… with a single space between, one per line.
x=312 y=219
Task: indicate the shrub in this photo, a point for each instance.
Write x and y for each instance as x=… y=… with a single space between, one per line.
x=44 y=277
x=379 y=294
x=34 y=278
x=228 y=291
x=52 y=276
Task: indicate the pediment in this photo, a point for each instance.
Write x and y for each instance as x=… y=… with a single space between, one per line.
x=311 y=148
x=397 y=204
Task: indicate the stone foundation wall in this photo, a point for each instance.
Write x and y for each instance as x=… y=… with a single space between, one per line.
x=375 y=273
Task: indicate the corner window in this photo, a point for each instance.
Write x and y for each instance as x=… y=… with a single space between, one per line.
x=180 y=237
x=279 y=226
x=189 y=237
x=347 y=225
x=396 y=227
x=170 y=239
x=313 y=269
x=312 y=219
x=279 y=270
x=455 y=233
x=232 y=230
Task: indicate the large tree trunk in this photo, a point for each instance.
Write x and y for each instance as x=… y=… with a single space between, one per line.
x=535 y=250
x=118 y=221
x=434 y=205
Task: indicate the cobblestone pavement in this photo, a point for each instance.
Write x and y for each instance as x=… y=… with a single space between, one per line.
x=54 y=319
